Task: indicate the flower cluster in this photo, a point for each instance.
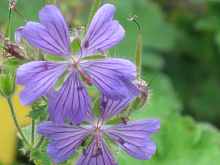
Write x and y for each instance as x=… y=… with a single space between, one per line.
x=72 y=121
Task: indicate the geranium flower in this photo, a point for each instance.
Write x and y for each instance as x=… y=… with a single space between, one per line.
x=133 y=137
x=112 y=76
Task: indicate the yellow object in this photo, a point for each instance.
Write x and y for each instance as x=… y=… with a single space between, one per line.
x=7 y=128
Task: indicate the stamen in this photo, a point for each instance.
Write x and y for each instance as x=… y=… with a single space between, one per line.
x=98 y=124
x=85 y=77
x=74 y=60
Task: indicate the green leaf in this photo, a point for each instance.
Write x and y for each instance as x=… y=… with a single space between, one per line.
x=182 y=141
x=12 y=64
x=75 y=45
x=40 y=157
x=162 y=100
x=95 y=57
x=39 y=110
x=157 y=33
x=28 y=134
x=153 y=61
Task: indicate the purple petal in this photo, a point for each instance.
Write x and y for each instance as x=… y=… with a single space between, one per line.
x=38 y=78
x=134 y=137
x=51 y=17
x=71 y=102
x=97 y=155
x=18 y=35
x=113 y=76
x=103 y=32
x=51 y=34
x=110 y=108
x=64 y=139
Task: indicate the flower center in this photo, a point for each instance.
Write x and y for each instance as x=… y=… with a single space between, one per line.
x=75 y=63
x=98 y=135
x=98 y=124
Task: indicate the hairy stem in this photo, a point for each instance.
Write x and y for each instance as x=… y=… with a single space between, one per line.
x=16 y=122
x=33 y=132
x=8 y=29
x=138 y=55
x=40 y=142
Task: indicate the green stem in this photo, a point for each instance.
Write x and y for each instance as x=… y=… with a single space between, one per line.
x=40 y=142
x=7 y=33
x=16 y=121
x=138 y=55
x=139 y=46
x=33 y=132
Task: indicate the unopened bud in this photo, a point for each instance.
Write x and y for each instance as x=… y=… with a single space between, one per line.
x=7 y=84
x=142 y=99
x=13 y=50
x=144 y=92
x=138 y=103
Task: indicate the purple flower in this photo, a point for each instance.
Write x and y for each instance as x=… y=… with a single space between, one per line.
x=113 y=77
x=133 y=137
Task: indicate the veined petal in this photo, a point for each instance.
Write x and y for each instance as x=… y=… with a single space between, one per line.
x=38 y=78
x=103 y=32
x=64 y=139
x=50 y=35
x=51 y=17
x=71 y=102
x=97 y=153
x=113 y=76
x=134 y=137
x=110 y=108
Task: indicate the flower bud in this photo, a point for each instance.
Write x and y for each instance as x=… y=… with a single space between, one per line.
x=138 y=103
x=142 y=99
x=144 y=89
x=7 y=84
x=13 y=50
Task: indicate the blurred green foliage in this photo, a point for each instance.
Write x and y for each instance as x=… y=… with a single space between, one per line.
x=181 y=39
x=181 y=44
